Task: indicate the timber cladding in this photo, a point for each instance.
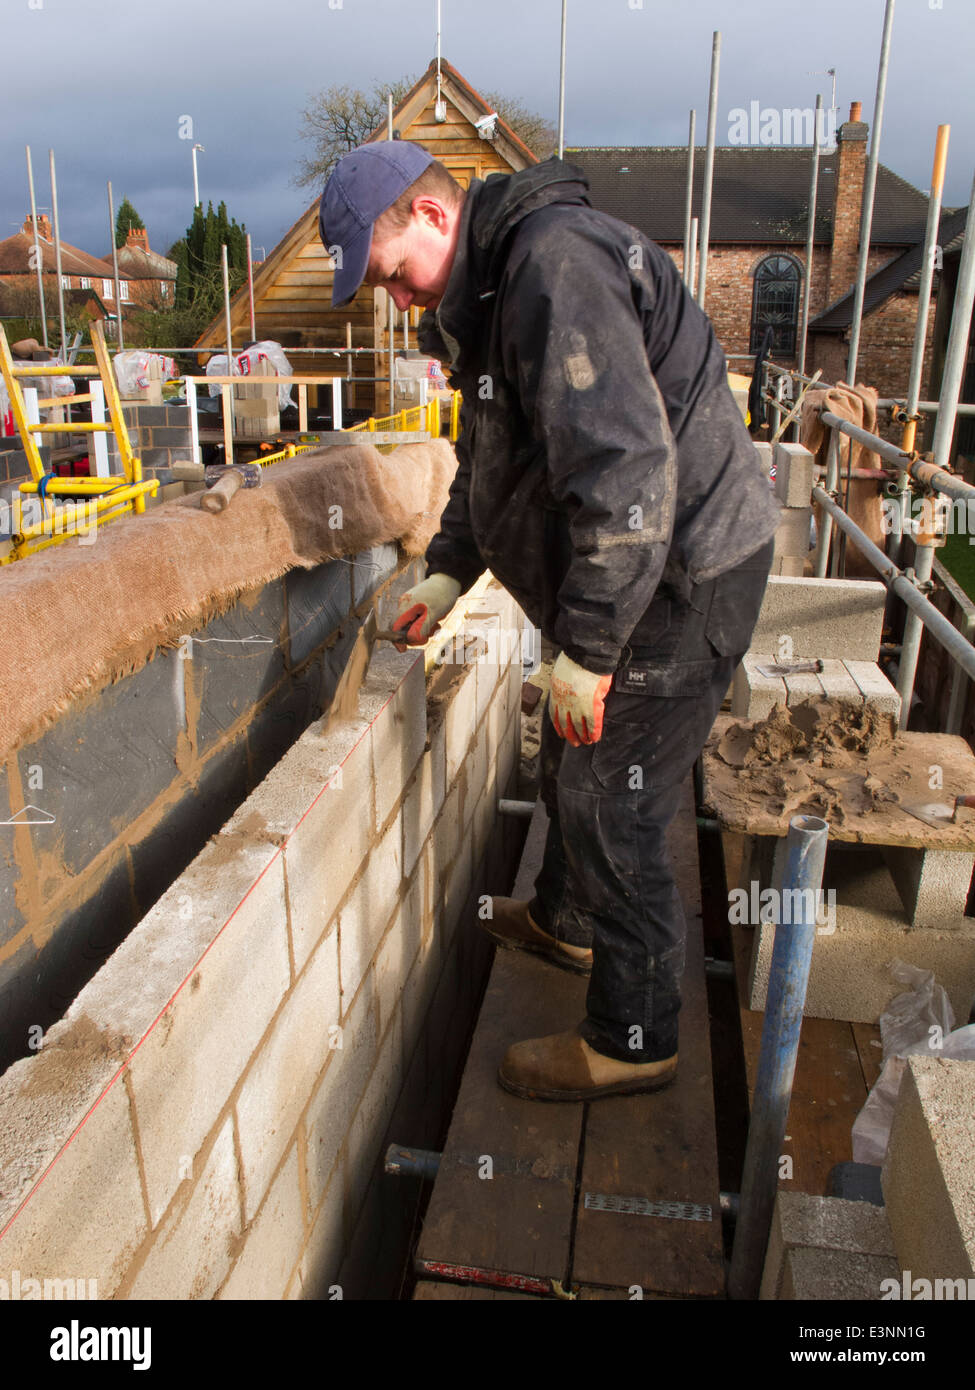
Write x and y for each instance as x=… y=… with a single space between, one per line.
x=209 y=1116
x=293 y=287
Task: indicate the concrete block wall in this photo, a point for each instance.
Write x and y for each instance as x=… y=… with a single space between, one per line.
x=159 y=434
x=209 y=1116
x=928 y=1177
x=130 y=781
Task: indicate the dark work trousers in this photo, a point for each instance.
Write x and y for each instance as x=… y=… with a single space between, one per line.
x=606 y=879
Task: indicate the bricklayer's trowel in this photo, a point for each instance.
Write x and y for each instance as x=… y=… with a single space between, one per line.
x=940 y=814
x=345 y=699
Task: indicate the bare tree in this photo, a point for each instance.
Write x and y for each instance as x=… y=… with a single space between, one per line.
x=537 y=132
x=342 y=117
x=337 y=120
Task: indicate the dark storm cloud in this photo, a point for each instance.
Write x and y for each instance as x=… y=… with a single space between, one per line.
x=106 y=83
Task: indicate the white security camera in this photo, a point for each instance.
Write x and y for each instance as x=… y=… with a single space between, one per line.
x=487 y=126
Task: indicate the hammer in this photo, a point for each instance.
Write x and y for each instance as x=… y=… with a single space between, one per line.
x=224 y=479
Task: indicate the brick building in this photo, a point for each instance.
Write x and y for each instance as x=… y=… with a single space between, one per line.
x=757 y=255
x=144 y=276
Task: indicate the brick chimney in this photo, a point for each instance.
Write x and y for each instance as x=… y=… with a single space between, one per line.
x=138 y=236
x=850 y=167
x=43 y=226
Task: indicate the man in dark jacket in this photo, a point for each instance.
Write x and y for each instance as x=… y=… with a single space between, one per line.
x=606 y=477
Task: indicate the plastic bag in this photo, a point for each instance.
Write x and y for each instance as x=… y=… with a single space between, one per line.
x=919 y=1021
x=246 y=361
x=132 y=370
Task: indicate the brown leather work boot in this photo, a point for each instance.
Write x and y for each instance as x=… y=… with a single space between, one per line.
x=513 y=926
x=564 y=1067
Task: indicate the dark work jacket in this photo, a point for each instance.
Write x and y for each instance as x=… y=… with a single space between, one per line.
x=602 y=459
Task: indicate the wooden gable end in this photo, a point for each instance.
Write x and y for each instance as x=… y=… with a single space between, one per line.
x=293 y=289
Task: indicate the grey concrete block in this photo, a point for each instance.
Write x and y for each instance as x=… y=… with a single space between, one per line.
x=331 y=1107
x=319 y=601
x=176 y=839
x=272 y=1245
x=795 y=471
x=193 y=1247
x=371 y=569
x=792 y=535
x=928 y=1180
x=78 y=946
x=233 y=662
x=282 y=1076
x=194 y=1054
x=393 y=699
x=753 y=694
x=874 y=686
x=821 y=617
x=11 y=916
x=170 y=437
x=835 y=1275
x=850 y=972
x=320 y=798
x=933 y=884
x=829 y=1227
x=116 y=753
x=839 y=684
x=803 y=686
x=763 y=451
x=87 y=1218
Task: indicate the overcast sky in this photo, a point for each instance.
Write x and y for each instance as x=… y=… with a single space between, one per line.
x=106 y=84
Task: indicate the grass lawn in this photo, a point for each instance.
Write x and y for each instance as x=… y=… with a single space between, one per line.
x=958 y=558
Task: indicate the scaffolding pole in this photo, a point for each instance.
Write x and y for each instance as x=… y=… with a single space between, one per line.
x=119 y=340
x=57 y=259
x=920 y=332
x=866 y=213
x=810 y=234
x=38 y=257
x=709 y=166
x=689 y=200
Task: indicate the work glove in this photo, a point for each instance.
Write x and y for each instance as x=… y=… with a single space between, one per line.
x=422 y=607
x=576 y=701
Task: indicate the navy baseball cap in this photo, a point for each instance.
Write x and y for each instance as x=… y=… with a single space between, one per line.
x=363 y=184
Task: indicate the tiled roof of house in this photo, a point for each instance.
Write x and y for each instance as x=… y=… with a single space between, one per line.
x=136 y=264
x=15 y=258
x=761 y=193
x=901 y=273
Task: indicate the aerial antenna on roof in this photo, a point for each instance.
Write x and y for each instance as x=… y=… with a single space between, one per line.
x=440 y=106
x=562 y=86
x=830 y=72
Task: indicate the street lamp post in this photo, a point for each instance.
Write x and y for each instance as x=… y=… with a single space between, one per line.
x=196 y=180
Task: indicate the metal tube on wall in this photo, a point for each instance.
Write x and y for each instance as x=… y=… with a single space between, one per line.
x=118 y=283
x=957 y=351
x=709 y=167
x=689 y=201
x=810 y=233
x=57 y=258
x=869 y=187
x=788 y=980
x=38 y=257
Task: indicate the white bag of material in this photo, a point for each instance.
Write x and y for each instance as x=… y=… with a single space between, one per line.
x=920 y=1021
x=132 y=370
x=246 y=361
